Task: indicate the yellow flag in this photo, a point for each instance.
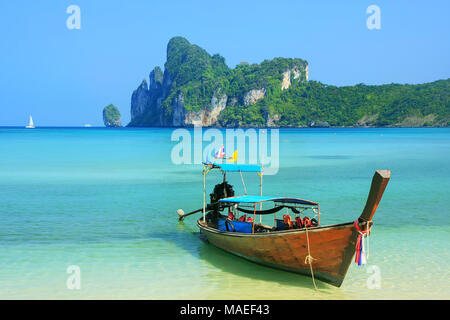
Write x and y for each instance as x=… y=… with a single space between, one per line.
x=233 y=158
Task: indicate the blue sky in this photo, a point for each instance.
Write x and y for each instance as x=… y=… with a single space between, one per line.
x=65 y=77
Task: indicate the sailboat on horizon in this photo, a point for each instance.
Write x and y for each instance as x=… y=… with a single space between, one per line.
x=30 y=124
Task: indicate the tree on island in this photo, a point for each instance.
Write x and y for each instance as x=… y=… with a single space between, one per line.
x=111 y=116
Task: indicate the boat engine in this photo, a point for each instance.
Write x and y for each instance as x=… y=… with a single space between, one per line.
x=221 y=190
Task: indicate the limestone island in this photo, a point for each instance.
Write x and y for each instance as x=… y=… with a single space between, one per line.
x=196 y=88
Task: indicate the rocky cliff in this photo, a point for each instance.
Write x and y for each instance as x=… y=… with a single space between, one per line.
x=195 y=87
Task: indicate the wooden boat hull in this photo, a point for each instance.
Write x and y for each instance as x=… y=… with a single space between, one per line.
x=332 y=249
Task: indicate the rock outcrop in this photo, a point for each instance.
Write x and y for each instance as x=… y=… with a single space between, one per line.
x=146 y=100
x=178 y=110
x=253 y=96
x=290 y=75
x=111 y=116
x=319 y=124
x=140 y=100
x=207 y=117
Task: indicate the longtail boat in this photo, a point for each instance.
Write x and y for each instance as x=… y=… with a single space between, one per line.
x=296 y=243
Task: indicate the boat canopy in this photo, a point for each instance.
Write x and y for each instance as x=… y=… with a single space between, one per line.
x=258 y=199
x=227 y=167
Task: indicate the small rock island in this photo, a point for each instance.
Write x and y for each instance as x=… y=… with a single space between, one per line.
x=111 y=116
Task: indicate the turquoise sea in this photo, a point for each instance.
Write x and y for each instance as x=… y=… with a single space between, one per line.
x=105 y=200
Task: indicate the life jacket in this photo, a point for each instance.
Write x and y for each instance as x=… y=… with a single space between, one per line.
x=307 y=222
x=249 y=219
x=287 y=220
x=299 y=222
x=230 y=215
x=243 y=218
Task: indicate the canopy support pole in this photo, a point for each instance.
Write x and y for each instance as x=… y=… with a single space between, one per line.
x=260 y=193
x=204 y=194
x=254 y=214
x=318 y=215
x=243 y=183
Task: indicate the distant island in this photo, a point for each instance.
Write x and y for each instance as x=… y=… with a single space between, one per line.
x=111 y=116
x=199 y=89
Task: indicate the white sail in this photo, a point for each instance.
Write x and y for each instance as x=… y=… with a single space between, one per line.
x=30 y=124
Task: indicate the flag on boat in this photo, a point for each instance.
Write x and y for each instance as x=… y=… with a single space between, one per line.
x=233 y=158
x=220 y=153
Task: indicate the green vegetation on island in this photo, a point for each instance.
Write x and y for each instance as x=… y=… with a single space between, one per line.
x=312 y=103
x=111 y=116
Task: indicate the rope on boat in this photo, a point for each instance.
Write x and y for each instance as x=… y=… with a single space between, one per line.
x=368 y=237
x=360 y=256
x=309 y=259
x=243 y=183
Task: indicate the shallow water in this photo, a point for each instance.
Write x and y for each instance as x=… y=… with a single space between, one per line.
x=106 y=200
